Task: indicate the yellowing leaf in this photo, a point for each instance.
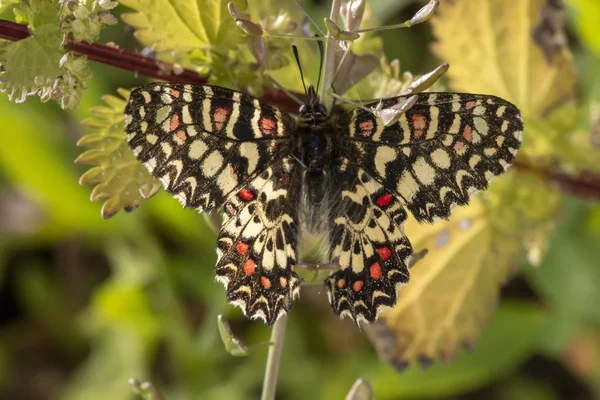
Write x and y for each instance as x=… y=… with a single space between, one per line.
x=495 y=53
x=182 y=26
x=118 y=176
x=452 y=290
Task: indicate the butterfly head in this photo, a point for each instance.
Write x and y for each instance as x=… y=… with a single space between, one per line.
x=313 y=109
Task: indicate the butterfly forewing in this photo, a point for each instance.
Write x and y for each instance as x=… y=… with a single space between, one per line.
x=441 y=151
x=204 y=142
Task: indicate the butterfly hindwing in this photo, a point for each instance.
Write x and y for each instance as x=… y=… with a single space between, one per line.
x=204 y=142
x=257 y=243
x=367 y=241
x=441 y=151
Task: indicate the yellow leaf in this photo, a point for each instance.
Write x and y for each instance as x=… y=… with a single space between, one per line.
x=453 y=289
x=495 y=53
x=182 y=26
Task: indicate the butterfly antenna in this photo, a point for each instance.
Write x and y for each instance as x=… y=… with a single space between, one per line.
x=295 y=50
x=322 y=55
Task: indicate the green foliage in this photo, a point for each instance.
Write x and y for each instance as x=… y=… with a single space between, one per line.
x=38 y=65
x=120 y=179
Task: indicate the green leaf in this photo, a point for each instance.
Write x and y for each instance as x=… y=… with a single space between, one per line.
x=180 y=27
x=38 y=65
x=118 y=176
x=233 y=345
x=32 y=65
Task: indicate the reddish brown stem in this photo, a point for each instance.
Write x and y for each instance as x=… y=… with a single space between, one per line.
x=586 y=184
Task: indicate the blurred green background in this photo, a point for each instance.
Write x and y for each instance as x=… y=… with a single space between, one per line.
x=86 y=304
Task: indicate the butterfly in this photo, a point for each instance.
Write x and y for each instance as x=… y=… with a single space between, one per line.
x=277 y=176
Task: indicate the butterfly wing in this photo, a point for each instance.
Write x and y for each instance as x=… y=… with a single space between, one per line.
x=212 y=147
x=441 y=151
x=368 y=243
x=204 y=142
x=257 y=243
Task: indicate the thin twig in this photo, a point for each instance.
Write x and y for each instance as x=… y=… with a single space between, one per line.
x=586 y=184
x=272 y=368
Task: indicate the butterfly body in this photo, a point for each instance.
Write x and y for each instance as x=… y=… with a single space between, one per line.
x=276 y=176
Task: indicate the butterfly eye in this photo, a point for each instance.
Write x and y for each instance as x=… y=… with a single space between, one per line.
x=321 y=109
x=303 y=109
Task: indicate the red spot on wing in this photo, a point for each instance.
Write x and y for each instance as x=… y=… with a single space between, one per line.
x=292 y=267
x=366 y=128
x=357 y=286
x=470 y=104
x=265 y=282
x=384 y=253
x=341 y=283
x=175 y=93
x=267 y=126
x=249 y=267
x=219 y=117
x=467 y=133
x=181 y=136
x=242 y=248
x=375 y=271
x=245 y=194
x=282 y=282
x=419 y=122
x=384 y=200
x=174 y=122
x=459 y=145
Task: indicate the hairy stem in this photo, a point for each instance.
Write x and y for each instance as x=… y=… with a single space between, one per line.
x=272 y=368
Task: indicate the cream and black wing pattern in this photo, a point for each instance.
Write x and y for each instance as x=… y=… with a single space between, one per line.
x=212 y=147
x=441 y=151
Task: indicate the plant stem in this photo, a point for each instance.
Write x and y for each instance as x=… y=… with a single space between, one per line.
x=272 y=368
x=329 y=62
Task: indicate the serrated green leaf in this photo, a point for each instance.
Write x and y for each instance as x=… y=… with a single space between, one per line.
x=119 y=177
x=38 y=65
x=31 y=65
x=180 y=27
